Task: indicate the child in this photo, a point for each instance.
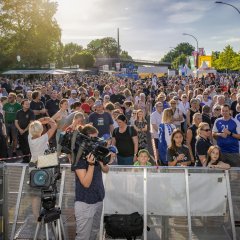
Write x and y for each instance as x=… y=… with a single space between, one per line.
x=112 y=149
x=143 y=158
x=214 y=158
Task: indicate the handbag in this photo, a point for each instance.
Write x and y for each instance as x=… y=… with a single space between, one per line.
x=48 y=160
x=126 y=226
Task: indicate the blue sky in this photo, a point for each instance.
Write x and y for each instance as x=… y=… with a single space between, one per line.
x=148 y=28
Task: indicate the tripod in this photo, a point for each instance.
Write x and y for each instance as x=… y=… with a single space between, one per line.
x=52 y=216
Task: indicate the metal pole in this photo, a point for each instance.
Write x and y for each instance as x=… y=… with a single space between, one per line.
x=229 y=5
x=118 y=44
x=145 y=204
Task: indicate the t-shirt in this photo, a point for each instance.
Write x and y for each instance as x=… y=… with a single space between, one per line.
x=124 y=141
x=11 y=111
x=202 y=146
x=37 y=106
x=95 y=192
x=228 y=144
x=38 y=146
x=52 y=106
x=155 y=118
x=24 y=118
x=101 y=122
x=171 y=155
x=137 y=163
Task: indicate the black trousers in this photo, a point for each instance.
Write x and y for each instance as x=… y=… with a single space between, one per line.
x=3 y=147
x=24 y=146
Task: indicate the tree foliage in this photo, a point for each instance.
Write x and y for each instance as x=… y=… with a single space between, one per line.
x=84 y=59
x=125 y=56
x=180 y=60
x=28 y=28
x=69 y=50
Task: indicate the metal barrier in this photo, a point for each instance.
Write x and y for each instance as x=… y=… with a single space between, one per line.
x=176 y=203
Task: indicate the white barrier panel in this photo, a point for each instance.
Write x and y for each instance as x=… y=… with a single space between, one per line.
x=166 y=193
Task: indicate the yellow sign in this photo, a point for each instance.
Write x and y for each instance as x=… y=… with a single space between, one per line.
x=206 y=59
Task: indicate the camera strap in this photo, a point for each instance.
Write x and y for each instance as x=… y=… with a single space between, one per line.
x=73 y=141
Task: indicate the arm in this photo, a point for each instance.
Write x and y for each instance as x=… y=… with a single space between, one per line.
x=105 y=168
x=111 y=128
x=203 y=160
x=145 y=128
x=188 y=118
x=52 y=123
x=113 y=141
x=18 y=127
x=188 y=142
x=135 y=142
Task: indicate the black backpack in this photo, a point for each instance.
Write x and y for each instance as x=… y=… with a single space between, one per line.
x=126 y=226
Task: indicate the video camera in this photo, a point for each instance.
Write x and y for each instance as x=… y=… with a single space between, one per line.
x=80 y=145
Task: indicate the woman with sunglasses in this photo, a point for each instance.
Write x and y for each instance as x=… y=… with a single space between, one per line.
x=216 y=113
x=202 y=144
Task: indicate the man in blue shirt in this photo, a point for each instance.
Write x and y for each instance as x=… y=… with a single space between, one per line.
x=227 y=132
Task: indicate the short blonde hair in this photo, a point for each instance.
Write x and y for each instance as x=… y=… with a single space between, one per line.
x=35 y=128
x=167 y=116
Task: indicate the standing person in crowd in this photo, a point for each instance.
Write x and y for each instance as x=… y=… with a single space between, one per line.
x=10 y=111
x=3 y=139
x=37 y=105
x=52 y=105
x=193 y=109
x=234 y=104
x=192 y=134
x=227 y=132
x=184 y=106
x=61 y=119
x=140 y=126
x=165 y=131
x=178 y=154
x=206 y=111
x=89 y=191
x=126 y=140
x=214 y=158
x=202 y=144
x=162 y=98
x=155 y=121
x=73 y=98
x=77 y=123
x=101 y=120
x=177 y=114
x=215 y=114
x=23 y=118
x=206 y=100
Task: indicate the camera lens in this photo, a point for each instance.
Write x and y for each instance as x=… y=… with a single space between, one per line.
x=40 y=178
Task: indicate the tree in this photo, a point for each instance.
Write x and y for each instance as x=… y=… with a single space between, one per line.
x=84 y=59
x=182 y=48
x=69 y=50
x=105 y=47
x=28 y=28
x=180 y=60
x=125 y=56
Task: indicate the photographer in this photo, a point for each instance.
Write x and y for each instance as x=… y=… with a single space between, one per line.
x=89 y=192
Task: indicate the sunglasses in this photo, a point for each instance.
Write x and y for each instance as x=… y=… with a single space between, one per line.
x=206 y=130
x=217 y=109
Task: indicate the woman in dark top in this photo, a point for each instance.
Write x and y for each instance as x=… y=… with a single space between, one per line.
x=192 y=110
x=178 y=154
x=216 y=113
x=202 y=144
x=126 y=140
x=191 y=135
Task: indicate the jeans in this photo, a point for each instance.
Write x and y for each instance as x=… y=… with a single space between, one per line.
x=125 y=160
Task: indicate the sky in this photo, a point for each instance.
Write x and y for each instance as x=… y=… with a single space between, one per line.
x=150 y=28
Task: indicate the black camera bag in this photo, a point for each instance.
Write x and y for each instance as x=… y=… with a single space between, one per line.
x=125 y=226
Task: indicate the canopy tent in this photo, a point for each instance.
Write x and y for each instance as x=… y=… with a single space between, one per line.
x=204 y=70
x=57 y=72
x=24 y=72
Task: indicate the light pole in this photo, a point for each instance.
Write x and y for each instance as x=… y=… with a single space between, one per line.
x=186 y=34
x=220 y=2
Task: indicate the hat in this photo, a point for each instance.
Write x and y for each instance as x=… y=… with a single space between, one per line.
x=113 y=149
x=74 y=91
x=106 y=136
x=98 y=103
x=86 y=108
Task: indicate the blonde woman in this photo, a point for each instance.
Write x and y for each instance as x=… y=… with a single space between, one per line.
x=165 y=131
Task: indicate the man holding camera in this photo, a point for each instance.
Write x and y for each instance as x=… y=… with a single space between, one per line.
x=89 y=192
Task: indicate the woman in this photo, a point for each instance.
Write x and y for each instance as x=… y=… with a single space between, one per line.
x=216 y=113
x=178 y=154
x=128 y=95
x=202 y=144
x=192 y=134
x=165 y=131
x=192 y=110
x=214 y=158
x=142 y=104
x=177 y=114
x=140 y=125
x=126 y=140
x=61 y=119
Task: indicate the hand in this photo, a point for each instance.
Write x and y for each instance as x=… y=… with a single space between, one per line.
x=226 y=131
x=21 y=131
x=180 y=157
x=224 y=135
x=90 y=158
x=43 y=111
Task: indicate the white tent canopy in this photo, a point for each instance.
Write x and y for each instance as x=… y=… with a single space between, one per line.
x=57 y=72
x=204 y=70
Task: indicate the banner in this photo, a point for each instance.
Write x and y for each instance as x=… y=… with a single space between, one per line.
x=192 y=62
x=206 y=59
x=201 y=52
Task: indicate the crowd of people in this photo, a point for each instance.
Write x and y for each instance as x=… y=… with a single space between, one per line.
x=177 y=121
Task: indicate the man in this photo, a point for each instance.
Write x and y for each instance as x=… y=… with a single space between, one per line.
x=155 y=120
x=10 y=110
x=24 y=117
x=227 y=132
x=73 y=98
x=52 y=105
x=37 y=106
x=101 y=120
x=89 y=192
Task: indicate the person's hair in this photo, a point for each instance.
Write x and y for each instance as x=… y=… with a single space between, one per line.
x=109 y=106
x=62 y=102
x=88 y=129
x=20 y=95
x=227 y=106
x=128 y=103
x=167 y=115
x=75 y=105
x=78 y=115
x=127 y=92
x=138 y=111
x=122 y=117
x=161 y=95
x=35 y=128
x=143 y=151
x=173 y=147
x=12 y=94
x=23 y=101
x=195 y=115
x=209 y=154
x=35 y=94
x=3 y=98
x=193 y=100
x=201 y=127
x=206 y=109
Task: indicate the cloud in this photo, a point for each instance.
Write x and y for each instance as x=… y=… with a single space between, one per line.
x=184 y=17
x=233 y=40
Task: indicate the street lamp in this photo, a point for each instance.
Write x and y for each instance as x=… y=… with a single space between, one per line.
x=186 y=34
x=220 y=2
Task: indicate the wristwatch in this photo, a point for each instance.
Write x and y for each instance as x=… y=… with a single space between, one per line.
x=231 y=134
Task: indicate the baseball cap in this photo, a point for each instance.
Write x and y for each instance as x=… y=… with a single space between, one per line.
x=74 y=91
x=86 y=108
x=106 y=136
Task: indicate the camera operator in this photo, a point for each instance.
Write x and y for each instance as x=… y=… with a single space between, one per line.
x=89 y=192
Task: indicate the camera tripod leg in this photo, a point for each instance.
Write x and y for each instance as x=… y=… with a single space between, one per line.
x=54 y=229
x=59 y=230
x=37 y=230
x=62 y=228
x=46 y=231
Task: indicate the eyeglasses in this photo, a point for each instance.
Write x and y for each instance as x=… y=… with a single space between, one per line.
x=206 y=130
x=184 y=97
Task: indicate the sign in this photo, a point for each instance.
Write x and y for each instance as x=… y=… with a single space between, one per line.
x=206 y=59
x=201 y=52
